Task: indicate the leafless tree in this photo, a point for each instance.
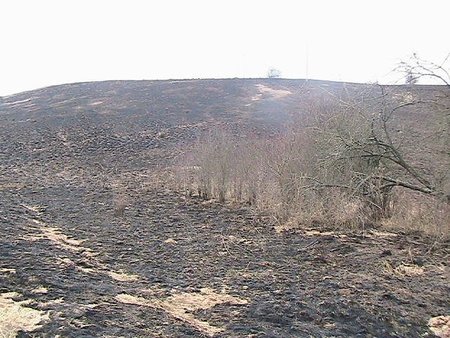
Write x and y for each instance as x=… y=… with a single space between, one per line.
x=273 y=73
x=417 y=68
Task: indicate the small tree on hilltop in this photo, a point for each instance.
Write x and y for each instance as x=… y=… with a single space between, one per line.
x=273 y=73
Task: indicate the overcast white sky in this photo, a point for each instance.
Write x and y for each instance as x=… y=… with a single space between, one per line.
x=49 y=42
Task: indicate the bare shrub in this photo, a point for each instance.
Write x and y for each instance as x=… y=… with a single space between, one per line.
x=418 y=213
x=222 y=167
x=120 y=203
x=368 y=146
x=214 y=154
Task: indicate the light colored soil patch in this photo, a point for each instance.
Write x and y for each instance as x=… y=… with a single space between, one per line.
x=316 y=233
x=68 y=262
x=14 y=316
x=181 y=306
x=8 y=271
x=440 y=326
x=256 y=97
x=280 y=228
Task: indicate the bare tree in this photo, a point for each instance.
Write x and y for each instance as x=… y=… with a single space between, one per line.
x=369 y=148
x=417 y=68
x=274 y=73
x=410 y=79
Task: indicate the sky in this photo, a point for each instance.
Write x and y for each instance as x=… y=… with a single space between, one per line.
x=50 y=42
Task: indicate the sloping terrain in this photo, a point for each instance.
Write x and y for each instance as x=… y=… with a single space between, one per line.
x=96 y=242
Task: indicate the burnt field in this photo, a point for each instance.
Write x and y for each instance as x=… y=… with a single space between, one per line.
x=97 y=241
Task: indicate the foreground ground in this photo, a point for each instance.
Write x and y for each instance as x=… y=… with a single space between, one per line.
x=95 y=242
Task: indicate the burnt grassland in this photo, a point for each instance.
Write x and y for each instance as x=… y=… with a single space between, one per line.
x=97 y=238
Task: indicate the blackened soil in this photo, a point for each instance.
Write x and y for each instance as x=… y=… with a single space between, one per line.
x=74 y=175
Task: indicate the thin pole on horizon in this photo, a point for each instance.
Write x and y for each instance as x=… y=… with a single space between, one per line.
x=307 y=61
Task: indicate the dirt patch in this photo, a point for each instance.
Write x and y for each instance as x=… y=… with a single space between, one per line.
x=15 y=316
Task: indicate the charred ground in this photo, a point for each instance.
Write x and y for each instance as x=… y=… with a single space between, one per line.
x=73 y=156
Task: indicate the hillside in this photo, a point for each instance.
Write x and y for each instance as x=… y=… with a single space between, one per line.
x=96 y=240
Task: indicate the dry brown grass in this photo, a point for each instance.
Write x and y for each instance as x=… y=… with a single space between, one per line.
x=15 y=316
x=401 y=270
x=414 y=212
x=181 y=306
x=440 y=326
x=65 y=242
x=120 y=203
x=54 y=234
x=170 y=241
x=122 y=277
x=271 y=92
x=40 y=290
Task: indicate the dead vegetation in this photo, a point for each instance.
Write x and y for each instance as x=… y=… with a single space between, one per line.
x=355 y=160
x=15 y=316
x=183 y=305
x=440 y=326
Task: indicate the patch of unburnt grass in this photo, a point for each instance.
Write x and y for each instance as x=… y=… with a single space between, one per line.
x=183 y=305
x=16 y=316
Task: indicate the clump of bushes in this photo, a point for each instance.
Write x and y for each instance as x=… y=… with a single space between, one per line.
x=347 y=161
